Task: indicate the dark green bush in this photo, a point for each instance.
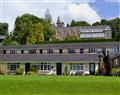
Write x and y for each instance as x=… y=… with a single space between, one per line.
x=31 y=73
x=19 y=71
x=116 y=71
x=32 y=68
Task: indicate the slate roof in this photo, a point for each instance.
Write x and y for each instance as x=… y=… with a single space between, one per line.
x=63 y=45
x=48 y=57
x=79 y=29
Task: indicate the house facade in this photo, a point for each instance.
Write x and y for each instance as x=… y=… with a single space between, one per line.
x=56 y=58
x=61 y=32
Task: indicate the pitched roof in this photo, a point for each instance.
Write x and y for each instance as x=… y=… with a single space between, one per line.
x=48 y=57
x=63 y=45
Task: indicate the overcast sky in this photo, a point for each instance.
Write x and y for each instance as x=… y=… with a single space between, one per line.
x=79 y=10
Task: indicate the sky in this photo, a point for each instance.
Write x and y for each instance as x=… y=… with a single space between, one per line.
x=79 y=10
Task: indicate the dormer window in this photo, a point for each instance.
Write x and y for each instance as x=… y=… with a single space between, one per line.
x=32 y=51
x=50 y=51
x=12 y=52
x=71 y=51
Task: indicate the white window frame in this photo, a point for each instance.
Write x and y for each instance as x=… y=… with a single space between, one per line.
x=76 y=67
x=43 y=66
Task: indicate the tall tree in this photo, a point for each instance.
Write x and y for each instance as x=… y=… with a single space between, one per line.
x=48 y=16
x=48 y=32
x=4 y=29
x=38 y=32
x=115 y=26
x=23 y=32
x=30 y=34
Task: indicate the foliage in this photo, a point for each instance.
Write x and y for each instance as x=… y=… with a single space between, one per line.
x=76 y=41
x=19 y=71
x=31 y=73
x=78 y=23
x=9 y=41
x=38 y=32
x=71 y=37
x=66 y=69
x=30 y=29
x=116 y=71
x=115 y=26
x=4 y=29
x=32 y=68
x=96 y=24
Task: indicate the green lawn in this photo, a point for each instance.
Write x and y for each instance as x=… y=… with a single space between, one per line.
x=59 y=85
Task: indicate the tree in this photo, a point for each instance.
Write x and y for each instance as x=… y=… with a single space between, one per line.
x=79 y=23
x=104 y=22
x=115 y=26
x=38 y=32
x=48 y=16
x=96 y=24
x=27 y=25
x=30 y=34
x=4 y=29
x=48 y=32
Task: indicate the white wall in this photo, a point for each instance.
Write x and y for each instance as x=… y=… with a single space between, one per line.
x=92 y=35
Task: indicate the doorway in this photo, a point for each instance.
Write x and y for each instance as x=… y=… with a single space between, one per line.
x=92 y=68
x=59 y=68
x=27 y=67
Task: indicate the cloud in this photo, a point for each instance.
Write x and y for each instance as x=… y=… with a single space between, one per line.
x=74 y=9
x=82 y=12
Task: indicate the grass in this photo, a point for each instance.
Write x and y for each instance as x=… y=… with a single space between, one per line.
x=59 y=85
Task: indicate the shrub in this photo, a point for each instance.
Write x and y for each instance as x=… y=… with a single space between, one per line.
x=19 y=71
x=66 y=70
x=32 y=68
x=31 y=73
x=116 y=71
x=1 y=72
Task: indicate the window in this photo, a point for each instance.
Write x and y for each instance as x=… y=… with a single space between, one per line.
x=92 y=50
x=76 y=66
x=116 y=49
x=60 y=51
x=44 y=66
x=71 y=51
x=22 y=51
x=50 y=51
x=32 y=51
x=41 y=51
x=12 y=51
x=81 y=50
x=12 y=66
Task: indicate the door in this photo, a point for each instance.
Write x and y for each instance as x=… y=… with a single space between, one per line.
x=92 y=68
x=27 y=67
x=59 y=68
